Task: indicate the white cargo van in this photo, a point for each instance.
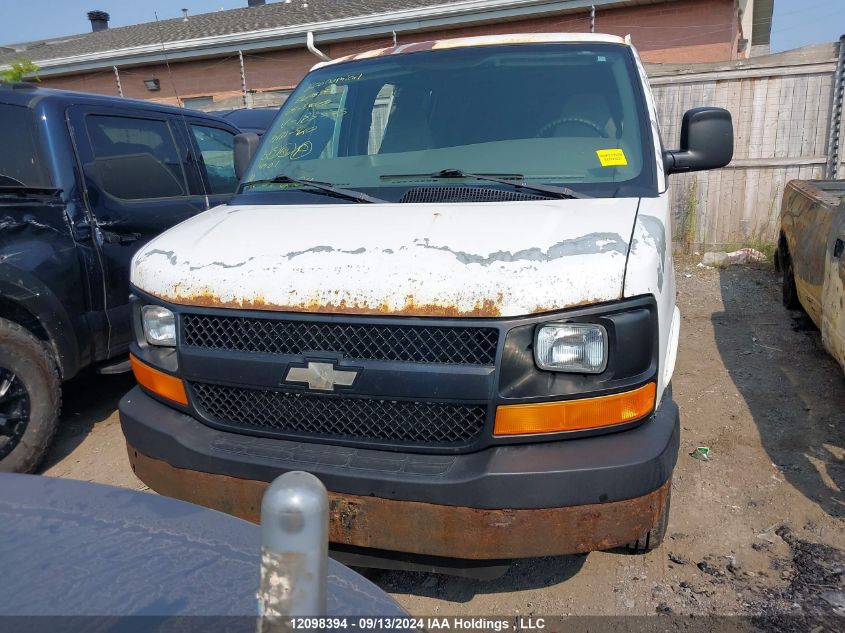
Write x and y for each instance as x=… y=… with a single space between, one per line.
x=446 y=289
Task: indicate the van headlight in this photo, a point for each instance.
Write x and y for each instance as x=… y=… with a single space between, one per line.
x=579 y=348
x=159 y=326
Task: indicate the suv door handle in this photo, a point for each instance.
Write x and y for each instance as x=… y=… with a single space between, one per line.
x=838 y=248
x=119 y=238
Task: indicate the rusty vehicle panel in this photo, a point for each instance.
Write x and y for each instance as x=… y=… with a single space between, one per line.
x=424 y=528
x=424 y=266
x=810 y=255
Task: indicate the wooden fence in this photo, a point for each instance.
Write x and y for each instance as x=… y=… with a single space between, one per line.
x=782 y=111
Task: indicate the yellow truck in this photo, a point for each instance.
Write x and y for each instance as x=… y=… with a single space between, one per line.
x=810 y=255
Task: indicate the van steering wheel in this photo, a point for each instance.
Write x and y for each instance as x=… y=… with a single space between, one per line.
x=571 y=119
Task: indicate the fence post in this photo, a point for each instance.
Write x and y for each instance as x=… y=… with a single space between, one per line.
x=834 y=148
x=294 y=551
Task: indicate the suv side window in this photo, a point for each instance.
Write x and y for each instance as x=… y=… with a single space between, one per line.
x=217 y=148
x=135 y=158
x=21 y=160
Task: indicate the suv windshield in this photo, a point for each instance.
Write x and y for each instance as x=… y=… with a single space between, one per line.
x=20 y=161
x=567 y=114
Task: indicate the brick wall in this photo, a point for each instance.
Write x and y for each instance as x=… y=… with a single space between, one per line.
x=676 y=32
x=266 y=70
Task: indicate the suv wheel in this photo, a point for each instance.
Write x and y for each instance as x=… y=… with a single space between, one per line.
x=654 y=537
x=30 y=399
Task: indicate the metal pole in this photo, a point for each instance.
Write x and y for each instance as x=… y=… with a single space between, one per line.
x=243 y=76
x=311 y=46
x=294 y=551
x=592 y=18
x=117 y=79
x=834 y=146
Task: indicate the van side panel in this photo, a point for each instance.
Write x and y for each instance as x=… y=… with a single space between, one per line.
x=650 y=270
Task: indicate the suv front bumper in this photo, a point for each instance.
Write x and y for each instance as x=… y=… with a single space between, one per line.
x=515 y=501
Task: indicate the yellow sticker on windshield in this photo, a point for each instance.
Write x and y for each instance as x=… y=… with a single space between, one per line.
x=612 y=157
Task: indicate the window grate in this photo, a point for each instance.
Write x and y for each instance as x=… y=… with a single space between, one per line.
x=340 y=417
x=465 y=194
x=407 y=343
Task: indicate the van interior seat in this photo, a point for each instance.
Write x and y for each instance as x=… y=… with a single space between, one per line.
x=582 y=111
x=408 y=128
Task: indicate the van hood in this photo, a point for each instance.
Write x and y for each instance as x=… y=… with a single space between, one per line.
x=459 y=260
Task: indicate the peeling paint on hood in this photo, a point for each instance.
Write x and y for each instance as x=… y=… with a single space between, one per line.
x=446 y=260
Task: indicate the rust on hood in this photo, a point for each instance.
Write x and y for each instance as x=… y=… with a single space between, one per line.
x=540 y=309
x=425 y=528
x=484 y=308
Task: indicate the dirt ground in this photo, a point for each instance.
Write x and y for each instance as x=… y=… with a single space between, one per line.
x=757 y=529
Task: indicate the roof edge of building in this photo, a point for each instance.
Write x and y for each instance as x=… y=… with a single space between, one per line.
x=373 y=25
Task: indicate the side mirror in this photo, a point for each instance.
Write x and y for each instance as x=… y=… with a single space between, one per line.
x=707 y=142
x=245 y=146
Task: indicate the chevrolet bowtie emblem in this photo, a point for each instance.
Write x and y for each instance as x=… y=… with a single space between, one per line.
x=322 y=376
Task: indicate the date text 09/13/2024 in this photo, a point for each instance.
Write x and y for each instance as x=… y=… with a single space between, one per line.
x=418 y=623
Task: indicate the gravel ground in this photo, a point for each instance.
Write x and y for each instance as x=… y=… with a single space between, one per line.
x=757 y=530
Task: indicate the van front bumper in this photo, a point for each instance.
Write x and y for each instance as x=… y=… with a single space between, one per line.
x=517 y=501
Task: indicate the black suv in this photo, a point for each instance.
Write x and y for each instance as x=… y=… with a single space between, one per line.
x=85 y=180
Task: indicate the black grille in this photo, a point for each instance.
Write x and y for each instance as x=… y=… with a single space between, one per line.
x=416 y=344
x=465 y=194
x=276 y=412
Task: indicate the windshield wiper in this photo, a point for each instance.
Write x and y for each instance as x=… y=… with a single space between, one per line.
x=558 y=192
x=324 y=187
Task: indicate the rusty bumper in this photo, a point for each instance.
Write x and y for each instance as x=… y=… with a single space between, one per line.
x=425 y=528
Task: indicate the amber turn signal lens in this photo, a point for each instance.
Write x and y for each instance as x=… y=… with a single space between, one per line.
x=158 y=382
x=575 y=415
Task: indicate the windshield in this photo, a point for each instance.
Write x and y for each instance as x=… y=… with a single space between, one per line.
x=20 y=160
x=569 y=114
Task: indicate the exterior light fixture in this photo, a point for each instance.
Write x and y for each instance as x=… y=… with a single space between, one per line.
x=152 y=85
